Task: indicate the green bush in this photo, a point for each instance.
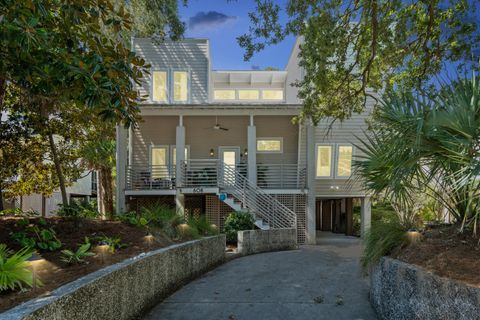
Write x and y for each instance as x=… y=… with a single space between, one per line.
x=78 y=210
x=382 y=238
x=14 y=269
x=186 y=232
x=114 y=243
x=35 y=237
x=237 y=221
x=164 y=218
x=133 y=219
x=75 y=257
x=203 y=226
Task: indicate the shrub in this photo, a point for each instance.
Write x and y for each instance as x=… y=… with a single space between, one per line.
x=382 y=238
x=36 y=237
x=187 y=232
x=203 y=226
x=78 y=210
x=71 y=257
x=14 y=269
x=237 y=221
x=164 y=218
x=133 y=219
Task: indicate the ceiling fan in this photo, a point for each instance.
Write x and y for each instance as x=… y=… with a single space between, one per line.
x=217 y=126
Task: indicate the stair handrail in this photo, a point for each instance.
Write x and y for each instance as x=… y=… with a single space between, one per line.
x=255 y=199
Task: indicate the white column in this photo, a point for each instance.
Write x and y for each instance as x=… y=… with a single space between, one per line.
x=311 y=230
x=252 y=151
x=121 y=157
x=180 y=155
x=365 y=215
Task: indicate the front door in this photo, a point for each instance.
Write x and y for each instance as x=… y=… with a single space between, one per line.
x=230 y=157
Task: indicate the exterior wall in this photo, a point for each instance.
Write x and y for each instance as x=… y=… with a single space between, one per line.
x=153 y=130
x=278 y=126
x=191 y=54
x=294 y=73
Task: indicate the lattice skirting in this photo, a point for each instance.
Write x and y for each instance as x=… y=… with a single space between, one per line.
x=298 y=204
x=216 y=211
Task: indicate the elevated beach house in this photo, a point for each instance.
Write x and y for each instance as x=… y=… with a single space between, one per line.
x=239 y=147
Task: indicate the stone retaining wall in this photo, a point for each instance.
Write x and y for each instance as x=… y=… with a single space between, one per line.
x=403 y=291
x=256 y=241
x=127 y=289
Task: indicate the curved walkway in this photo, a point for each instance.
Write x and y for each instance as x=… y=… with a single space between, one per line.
x=315 y=282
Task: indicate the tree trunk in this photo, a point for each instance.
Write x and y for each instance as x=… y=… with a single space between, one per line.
x=3 y=87
x=58 y=169
x=1 y=196
x=106 y=191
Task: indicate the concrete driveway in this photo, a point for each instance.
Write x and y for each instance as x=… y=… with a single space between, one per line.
x=314 y=282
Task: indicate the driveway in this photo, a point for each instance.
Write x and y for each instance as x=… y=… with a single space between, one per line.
x=314 y=282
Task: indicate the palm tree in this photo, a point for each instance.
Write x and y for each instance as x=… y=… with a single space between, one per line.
x=428 y=145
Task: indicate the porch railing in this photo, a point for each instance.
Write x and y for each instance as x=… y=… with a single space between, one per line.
x=281 y=176
x=141 y=177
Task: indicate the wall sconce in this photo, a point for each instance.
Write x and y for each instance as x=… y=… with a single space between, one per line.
x=245 y=152
x=212 y=152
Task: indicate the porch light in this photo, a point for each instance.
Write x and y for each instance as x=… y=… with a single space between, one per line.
x=35 y=261
x=212 y=152
x=245 y=152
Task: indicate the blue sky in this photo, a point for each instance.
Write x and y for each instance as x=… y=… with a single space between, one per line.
x=222 y=22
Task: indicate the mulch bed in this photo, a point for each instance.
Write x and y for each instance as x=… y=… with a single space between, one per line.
x=54 y=273
x=447 y=253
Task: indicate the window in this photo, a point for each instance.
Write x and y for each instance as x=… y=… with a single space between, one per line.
x=159 y=86
x=159 y=161
x=270 y=145
x=344 y=162
x=248 y=94
x=272 y=94
x=324 y=161
x=180 y=86
x=224 y=94
x=174 y=154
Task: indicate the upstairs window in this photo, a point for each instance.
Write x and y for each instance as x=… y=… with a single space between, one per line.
x=180 y=86
x=224 y=94
x=272 y=94
x=248 y=94
x=159 y=86
x=270 y=145
x=324 y=161
x=344 y=162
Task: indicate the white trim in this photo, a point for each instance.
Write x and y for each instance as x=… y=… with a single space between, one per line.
x=337 y=154
x=269 y=138
x=149 y=192
x=332 y=160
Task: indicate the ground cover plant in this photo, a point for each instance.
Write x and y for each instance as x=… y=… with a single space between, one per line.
x=237 y=221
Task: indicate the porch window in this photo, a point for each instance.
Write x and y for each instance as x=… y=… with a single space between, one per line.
x=248 y=94
x=224 y=94
x=344 y=162
x=272 y=94
x=270 y=145
x=174 y=154
x=324 y=161
x=180 y=86
x=159 y=86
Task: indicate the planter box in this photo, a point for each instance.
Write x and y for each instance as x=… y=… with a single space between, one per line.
x=403 y=291
x=256 y=241
x=127 y=289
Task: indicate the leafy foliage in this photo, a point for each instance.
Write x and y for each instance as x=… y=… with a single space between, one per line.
x=113 y=243
x=35 y=237
x=203 y=226
x=15 y=271
x=78 y=210
x=353 y=47
x=75 y=257
x=428 y=146
x=381 y=239
x=186 y=231
x=237 y=221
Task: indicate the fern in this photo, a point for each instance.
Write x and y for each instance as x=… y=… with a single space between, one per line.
x=82 y=252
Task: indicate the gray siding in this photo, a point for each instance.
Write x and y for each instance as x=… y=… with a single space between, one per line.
x=188 y=54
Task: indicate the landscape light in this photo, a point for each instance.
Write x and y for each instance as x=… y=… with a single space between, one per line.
x=35 y=261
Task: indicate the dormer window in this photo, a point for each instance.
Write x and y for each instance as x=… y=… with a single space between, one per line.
x=180 y=86
x=159 y=86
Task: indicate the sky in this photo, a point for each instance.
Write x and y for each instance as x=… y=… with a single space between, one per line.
x=222 y=22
